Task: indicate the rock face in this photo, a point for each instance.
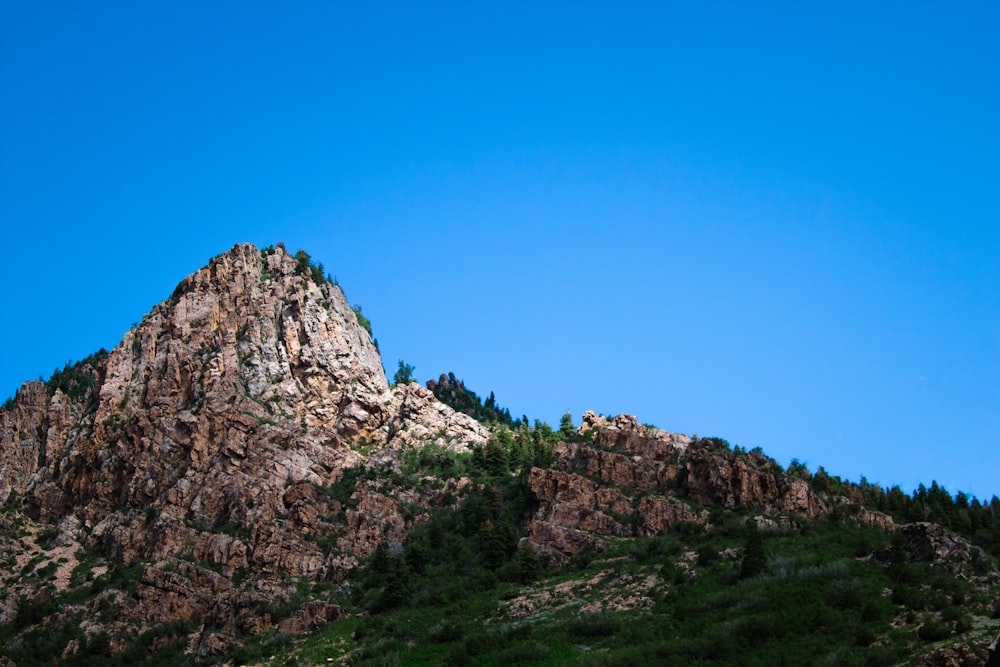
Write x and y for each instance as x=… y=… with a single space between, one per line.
x=210 y=432
x=723 y=480
x=636 y=480
x=925 y=542
x=421 y=418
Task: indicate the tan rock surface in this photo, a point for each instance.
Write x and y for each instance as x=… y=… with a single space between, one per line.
x=208 y=431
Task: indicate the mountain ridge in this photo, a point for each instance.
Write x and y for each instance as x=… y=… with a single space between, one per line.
x=232 y=463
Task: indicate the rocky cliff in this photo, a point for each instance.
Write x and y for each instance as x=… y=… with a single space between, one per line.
x=207 y=438
x=633 y=480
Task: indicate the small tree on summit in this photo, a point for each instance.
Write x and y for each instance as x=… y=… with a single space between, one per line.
x=567 y=430
x=302 y=262
x=404 y=375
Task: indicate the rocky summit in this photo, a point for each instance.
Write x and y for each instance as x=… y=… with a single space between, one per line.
x=237 y=481
x=203 y=442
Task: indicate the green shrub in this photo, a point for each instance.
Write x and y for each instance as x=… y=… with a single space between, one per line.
x=951 y=614
x=404 y=374
x=524 y=652
x=365 y=323
x=865 y=636
x=76 y=379
x=963 y=624
x=588 y=626
x=707 y=555
x=446 y=632
x=932 y=631
x=754 y=559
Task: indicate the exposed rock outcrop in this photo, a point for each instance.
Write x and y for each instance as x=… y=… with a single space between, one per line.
x=206 y=436
x=925 y=542
x=720 y=479
x=955 y=655
x=419 y=418
x=635 y=480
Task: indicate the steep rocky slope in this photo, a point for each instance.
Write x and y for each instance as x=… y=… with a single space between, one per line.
x=208 y=437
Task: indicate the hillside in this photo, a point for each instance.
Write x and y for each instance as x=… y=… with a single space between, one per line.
x=237 y=481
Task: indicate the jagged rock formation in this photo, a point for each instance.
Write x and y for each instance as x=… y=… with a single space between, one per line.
x=637 y=480
x=925 y=542
x=209 y=435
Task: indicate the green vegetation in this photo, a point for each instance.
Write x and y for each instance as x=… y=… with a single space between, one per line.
x=754 y=558
x=304 y=267
x=464 y=589
x=976 y=520
x=453 y=393
x=365 y=323
x=404 y=374
x=45 y=623
x=76 y=379
x=465 y=586
x=459 y=591
x=971 y=518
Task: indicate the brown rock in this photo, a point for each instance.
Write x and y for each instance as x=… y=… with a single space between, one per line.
x=930 y=543
x=207 y=433
x=876 y=519
x=23 y=433
x=214 y=643
x=590 y=421
x=660 y=514
x=312 y=615
x=623 y=484
x=223 y=550
x=569 y=514
x=726 y=480
x=954 y=655
x=168 y=596
x=418 y=417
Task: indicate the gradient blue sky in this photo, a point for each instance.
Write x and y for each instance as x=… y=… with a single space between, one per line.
x=776 y=223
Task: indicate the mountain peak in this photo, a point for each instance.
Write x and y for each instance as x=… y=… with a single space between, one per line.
x=234 y=402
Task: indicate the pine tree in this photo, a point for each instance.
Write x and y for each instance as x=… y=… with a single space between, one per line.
x=754 y=558
x=496 y=460
x=397 y=588
x=529 y=563
x=567 y=431
x=404 y=374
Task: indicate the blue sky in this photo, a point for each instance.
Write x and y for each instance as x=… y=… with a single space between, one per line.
x=774 y=223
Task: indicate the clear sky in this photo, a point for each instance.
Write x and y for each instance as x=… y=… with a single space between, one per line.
x=777 y=223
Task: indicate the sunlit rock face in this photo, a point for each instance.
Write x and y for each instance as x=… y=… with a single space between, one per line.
x=206 y=439
x=634 y=480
